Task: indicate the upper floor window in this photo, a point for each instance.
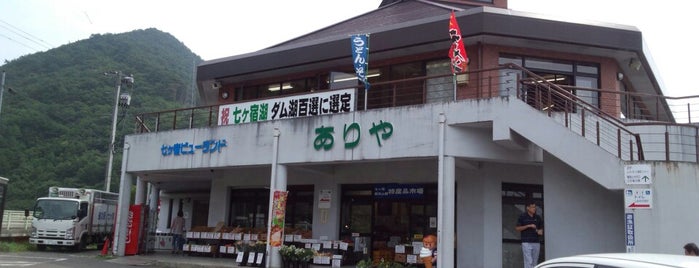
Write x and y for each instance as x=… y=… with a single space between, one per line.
x=561 y=72
x=281 y=88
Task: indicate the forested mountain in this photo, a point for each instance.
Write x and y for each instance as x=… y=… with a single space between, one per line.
x=55 y=123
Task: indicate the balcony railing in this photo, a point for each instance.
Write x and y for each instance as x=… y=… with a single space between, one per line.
x=614 y=123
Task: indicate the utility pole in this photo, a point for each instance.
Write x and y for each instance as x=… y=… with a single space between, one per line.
x=2 y=89
x=127 y=99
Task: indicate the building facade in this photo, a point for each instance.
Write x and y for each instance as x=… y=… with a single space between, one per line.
x=552 y=111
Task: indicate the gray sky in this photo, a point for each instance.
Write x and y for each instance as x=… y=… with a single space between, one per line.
x=216 y=29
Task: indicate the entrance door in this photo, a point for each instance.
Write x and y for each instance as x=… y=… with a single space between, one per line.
x=200 y=212
x=514 y=197
x=388 y=214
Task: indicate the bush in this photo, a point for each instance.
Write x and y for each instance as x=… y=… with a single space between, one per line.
x=15 y=246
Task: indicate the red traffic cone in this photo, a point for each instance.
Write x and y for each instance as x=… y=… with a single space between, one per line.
x=105 y=248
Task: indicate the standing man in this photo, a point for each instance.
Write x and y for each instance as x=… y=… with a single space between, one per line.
x=531 y=227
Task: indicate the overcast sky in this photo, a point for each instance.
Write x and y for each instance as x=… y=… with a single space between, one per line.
x=217 y=29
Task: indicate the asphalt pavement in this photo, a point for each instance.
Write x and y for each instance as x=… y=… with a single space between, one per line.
x=163 y=258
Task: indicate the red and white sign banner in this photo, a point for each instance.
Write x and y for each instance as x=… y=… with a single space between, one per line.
x=321 y=103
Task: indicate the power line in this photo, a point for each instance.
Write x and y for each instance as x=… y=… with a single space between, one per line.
x=26 y=35
x=18 y=42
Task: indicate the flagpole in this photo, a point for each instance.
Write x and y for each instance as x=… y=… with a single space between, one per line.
x=455 y=88
x=366 y=72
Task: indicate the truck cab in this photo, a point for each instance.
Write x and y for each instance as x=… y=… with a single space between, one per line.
x=73 y=218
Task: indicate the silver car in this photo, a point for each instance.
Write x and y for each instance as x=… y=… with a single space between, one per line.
x=618 y=260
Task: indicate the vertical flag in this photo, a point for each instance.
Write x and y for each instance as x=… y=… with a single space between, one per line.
x=457 y=52
x=360 y=56
x=276 y=235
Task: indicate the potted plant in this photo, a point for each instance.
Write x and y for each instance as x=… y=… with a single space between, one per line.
x=304 y=257
x=243 y=248
x=258 y=248
x=288 y=256
x=365 y=263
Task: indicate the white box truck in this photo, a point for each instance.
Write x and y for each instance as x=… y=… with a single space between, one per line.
x=72 y=217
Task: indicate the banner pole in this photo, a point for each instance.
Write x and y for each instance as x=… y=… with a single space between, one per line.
x=366 y=94
x=454 y=81
x=366 y=72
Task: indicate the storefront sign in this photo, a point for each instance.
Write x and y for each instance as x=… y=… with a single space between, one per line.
x=351 y=135
x=325 y=102
x=394 y=190
x=638 y=174
x=187 y=148
x=278 y=213
x=638 y=198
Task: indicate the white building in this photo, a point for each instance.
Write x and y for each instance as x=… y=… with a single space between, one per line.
x=569 y=129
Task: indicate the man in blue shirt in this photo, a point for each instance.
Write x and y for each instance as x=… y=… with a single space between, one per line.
x=531 y=227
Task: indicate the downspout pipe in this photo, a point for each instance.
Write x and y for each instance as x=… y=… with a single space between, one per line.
x=120 y=227
x=273 y=258
x=440 y=186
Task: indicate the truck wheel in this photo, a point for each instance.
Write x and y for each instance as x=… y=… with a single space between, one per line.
x=83 y=243
x=41 y=247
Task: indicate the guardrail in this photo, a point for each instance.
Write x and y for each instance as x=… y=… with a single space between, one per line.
x=14 y=223
x=620 y=122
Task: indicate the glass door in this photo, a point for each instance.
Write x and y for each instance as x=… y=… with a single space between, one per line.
x=514 y=197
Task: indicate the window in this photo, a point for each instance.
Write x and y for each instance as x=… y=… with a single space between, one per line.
x=387 y=219
x=560 y=72
x=299 y=208
x=301 y=85
x=250 y=207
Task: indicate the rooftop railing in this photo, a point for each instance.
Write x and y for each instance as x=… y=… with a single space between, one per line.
x=619 y=122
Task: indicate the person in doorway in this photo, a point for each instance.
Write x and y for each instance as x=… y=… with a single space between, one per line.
x=428 y=253
x=531 y=227
x=177 y=229
x=691 y=249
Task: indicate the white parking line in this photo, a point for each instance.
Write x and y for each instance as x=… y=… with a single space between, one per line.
x=17 y=263
x=25 y=261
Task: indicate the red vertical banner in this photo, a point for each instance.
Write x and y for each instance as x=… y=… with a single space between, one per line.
x=457 y=52
x=132 y=230
x=276 y=238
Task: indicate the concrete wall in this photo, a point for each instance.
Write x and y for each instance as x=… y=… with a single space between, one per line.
x=581 y=216
x=673 y=219
x=479 y=223
x=583 y=184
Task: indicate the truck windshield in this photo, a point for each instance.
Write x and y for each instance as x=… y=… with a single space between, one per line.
x=56 y=209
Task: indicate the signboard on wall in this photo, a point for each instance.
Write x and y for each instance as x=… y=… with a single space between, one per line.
x=320 y=103
x=324 y=199
x=395 y=190
x=630 y=232
x=638 y=174
x=638 y=198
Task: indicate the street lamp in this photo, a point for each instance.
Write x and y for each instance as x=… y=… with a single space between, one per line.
x=119 y=100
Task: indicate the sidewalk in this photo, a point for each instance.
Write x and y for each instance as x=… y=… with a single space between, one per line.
x=163 y=258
